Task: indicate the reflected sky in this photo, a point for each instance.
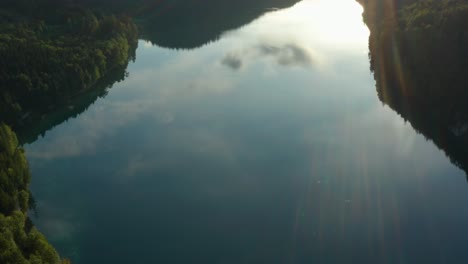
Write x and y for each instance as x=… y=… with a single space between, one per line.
x=268 y=146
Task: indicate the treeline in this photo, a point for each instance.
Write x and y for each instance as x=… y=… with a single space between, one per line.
x=419 y=55
x=20 y=241
x=47 y=64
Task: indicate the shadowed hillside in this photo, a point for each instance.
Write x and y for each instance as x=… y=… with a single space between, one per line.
x=419 y=57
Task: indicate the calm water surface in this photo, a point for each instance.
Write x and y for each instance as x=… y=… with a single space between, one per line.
x=267 y=146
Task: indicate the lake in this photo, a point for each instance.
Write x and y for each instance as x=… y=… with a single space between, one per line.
x=267 y=144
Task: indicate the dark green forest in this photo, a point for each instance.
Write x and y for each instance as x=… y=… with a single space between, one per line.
x=49 y=63
x=418 y=52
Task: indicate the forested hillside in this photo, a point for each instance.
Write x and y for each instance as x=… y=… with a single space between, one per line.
x=419 y=56
x=20 y=241
x=49 y=63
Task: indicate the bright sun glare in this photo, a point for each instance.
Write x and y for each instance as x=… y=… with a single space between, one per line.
x=334 y=21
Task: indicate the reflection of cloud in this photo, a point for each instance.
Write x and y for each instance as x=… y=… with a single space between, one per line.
x=232 y=61
x=147 y=44
x=137 y=165
x=285 y=55
x=204 y=144
x=165 y=118
x=81 y=137
x=60 y=222
x=161 y=92
x=59 y=227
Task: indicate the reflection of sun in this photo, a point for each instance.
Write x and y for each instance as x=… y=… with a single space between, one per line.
x=315 y=29
x=331 y=21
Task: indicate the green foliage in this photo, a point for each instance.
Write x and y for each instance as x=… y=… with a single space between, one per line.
x=19 y=243
x=14 y=174
x=50 y=63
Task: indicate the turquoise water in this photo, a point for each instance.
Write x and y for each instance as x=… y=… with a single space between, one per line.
x=267 y=146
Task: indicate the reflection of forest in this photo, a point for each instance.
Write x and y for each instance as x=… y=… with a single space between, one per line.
x=185 y=24
x=193 y=23
x=419 y=57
